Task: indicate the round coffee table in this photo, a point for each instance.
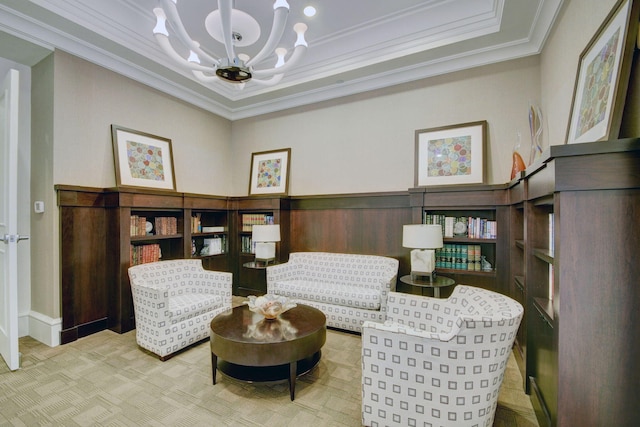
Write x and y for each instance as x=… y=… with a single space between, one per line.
x=247 y=347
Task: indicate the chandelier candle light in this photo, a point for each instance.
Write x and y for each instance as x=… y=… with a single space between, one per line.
x=423 y=239
x=234 y=29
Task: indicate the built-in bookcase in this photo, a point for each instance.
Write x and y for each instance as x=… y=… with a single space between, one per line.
x=475 y=230
x=250 y=279
x=581 y=285
x=517 y=283
x=208 y=223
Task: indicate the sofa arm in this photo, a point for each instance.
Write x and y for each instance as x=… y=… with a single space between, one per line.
x=151 y=303
x=422 y=312
x=278 y=272
x=397 y=331
x=386 y=288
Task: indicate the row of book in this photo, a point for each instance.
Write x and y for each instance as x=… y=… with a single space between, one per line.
x=249 y=220
x=162 y=226
x=142 y=254
x=197 y=227
x=138 y=225
x=166 y=225
x=196 y=223
x=463 y=226
x=459 y=257
x=246 y=245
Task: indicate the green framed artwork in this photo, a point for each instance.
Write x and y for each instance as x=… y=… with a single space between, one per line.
x=450 y=155
x=142 y=160
x=603 y=77
x=270 y=172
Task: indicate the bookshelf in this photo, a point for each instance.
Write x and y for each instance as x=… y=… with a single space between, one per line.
x=142 y=226
x=208 y=221
x=249 y=211
x=473 y=220
x=581 y=288
x=517 y=284
x=148 y=226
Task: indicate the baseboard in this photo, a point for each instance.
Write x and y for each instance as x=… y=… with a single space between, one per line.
x=23 y=325
x=44 y=328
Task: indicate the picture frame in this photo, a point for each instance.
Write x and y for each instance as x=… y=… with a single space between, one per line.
x=603 y=75
x=270 y=172
x=142 y=160
x=451 y=155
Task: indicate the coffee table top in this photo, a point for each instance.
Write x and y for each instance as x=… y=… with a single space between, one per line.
x=246 y=338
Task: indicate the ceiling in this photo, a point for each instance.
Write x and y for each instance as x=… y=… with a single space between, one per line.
x=354 y=45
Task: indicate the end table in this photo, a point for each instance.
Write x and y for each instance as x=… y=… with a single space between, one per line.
x=437 y=283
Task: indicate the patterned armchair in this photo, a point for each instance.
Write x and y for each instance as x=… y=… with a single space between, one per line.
x=438 y=362
x=174 y=302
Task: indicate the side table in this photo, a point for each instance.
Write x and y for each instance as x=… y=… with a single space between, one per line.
x=437 y=283
x=252 y=278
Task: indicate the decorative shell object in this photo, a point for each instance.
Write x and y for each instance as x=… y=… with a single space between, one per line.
x=270 y=306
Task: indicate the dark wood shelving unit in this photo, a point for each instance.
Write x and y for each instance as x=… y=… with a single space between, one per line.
x=579 y=315
x=476 y=201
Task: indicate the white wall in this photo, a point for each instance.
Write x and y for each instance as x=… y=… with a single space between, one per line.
x=366 y=143
x=88 y=99
x=75 y=104
x=576 y=24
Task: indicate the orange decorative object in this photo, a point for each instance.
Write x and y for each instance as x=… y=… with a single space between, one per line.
x=518 y=164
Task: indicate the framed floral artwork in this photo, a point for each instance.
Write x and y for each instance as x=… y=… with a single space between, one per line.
x=270 y=172
x=603 y=77
x=451 y=154
x=142 y=160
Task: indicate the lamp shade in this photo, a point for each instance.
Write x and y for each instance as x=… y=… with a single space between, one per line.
x=422 y=236
x=266 y=233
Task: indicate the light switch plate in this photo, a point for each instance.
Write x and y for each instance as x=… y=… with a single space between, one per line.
x=38 y=206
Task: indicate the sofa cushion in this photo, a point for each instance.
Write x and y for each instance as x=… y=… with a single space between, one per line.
x=329 y=293
x=187 y=306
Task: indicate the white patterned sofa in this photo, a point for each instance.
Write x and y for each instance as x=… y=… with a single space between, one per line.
x=347 y=288
x=174 y=302
x=438 y=362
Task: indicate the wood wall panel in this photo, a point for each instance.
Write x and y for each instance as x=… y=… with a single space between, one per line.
x=352 y=230
x=83 y=271
x=599 y=296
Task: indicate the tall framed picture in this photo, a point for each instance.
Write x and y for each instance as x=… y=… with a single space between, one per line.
x=451 y=154
x=603 y=77
x=270 y=172
x=142 y=160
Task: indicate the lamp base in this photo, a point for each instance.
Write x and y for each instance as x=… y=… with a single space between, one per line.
x=423 y=264
x=265 y=251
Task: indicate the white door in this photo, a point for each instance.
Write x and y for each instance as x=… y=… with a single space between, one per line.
x=8 y=220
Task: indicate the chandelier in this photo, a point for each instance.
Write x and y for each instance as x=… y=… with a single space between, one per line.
x=235 y=29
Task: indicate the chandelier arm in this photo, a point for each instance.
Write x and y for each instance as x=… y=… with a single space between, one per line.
x=296 y=56
x=279 y=21
x=181 y=32
x=165 y=44
x=225 y=7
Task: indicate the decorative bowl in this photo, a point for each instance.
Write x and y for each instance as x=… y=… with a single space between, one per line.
x=269 y=306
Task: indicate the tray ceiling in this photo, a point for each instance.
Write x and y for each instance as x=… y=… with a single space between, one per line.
x=354 y=45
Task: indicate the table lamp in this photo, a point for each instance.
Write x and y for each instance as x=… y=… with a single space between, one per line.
x=423 y=239
x=265 y=237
